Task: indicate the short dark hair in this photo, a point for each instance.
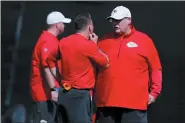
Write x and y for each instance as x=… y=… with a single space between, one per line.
x=81 y=21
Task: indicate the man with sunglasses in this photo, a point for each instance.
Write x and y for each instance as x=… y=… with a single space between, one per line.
x=133 y=80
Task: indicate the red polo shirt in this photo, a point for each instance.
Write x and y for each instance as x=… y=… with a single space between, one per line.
x=78 y=55
x=125 y=83
x=40 y=90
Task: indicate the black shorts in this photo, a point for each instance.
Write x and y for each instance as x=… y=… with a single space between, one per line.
x=74 y=106
x=43 y=111
x=120 y=115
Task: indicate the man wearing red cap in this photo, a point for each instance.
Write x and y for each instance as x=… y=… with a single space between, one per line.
x=133 y=80
x=42 y=84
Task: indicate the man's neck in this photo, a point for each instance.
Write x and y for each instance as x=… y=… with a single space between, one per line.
x=128 y=31
x=53 y=31
x=84 y=34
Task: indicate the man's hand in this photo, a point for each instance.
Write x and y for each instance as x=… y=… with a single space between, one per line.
x=94 y=37
x=54 y=96
x=151 y=99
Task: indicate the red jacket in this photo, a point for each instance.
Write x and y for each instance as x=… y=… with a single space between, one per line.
x=126 y=82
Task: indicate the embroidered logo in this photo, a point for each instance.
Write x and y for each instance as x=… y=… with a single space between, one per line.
x=132 y=44
x=114 y=11
x=45 y=49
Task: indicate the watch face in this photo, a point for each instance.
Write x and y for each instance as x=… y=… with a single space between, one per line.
x=57 y=89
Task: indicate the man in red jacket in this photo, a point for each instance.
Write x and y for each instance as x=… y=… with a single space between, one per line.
x=133 y=80
x=42 y=84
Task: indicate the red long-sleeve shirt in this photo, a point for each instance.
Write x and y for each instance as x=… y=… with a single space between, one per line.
x=77 y=57
x=133 y=59
x=39 y=87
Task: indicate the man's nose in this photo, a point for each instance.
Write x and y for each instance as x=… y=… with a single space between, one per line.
x=114 y=23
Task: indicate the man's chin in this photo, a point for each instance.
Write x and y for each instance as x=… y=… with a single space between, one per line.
x=117 y=32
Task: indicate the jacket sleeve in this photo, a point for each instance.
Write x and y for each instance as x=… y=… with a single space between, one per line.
x=155 y=69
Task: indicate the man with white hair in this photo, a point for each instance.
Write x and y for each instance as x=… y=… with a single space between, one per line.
x=42 y=84
x=133 y=80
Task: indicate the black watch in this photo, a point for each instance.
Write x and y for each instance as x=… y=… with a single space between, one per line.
x=53 y=89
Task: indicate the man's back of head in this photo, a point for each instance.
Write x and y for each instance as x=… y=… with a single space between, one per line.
x=83 y=22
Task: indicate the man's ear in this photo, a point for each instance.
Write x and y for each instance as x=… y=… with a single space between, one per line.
x=90 y=29
x=129 y=20
x=58 y=25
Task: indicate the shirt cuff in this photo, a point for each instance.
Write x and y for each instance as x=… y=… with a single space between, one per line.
x=155 y=95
